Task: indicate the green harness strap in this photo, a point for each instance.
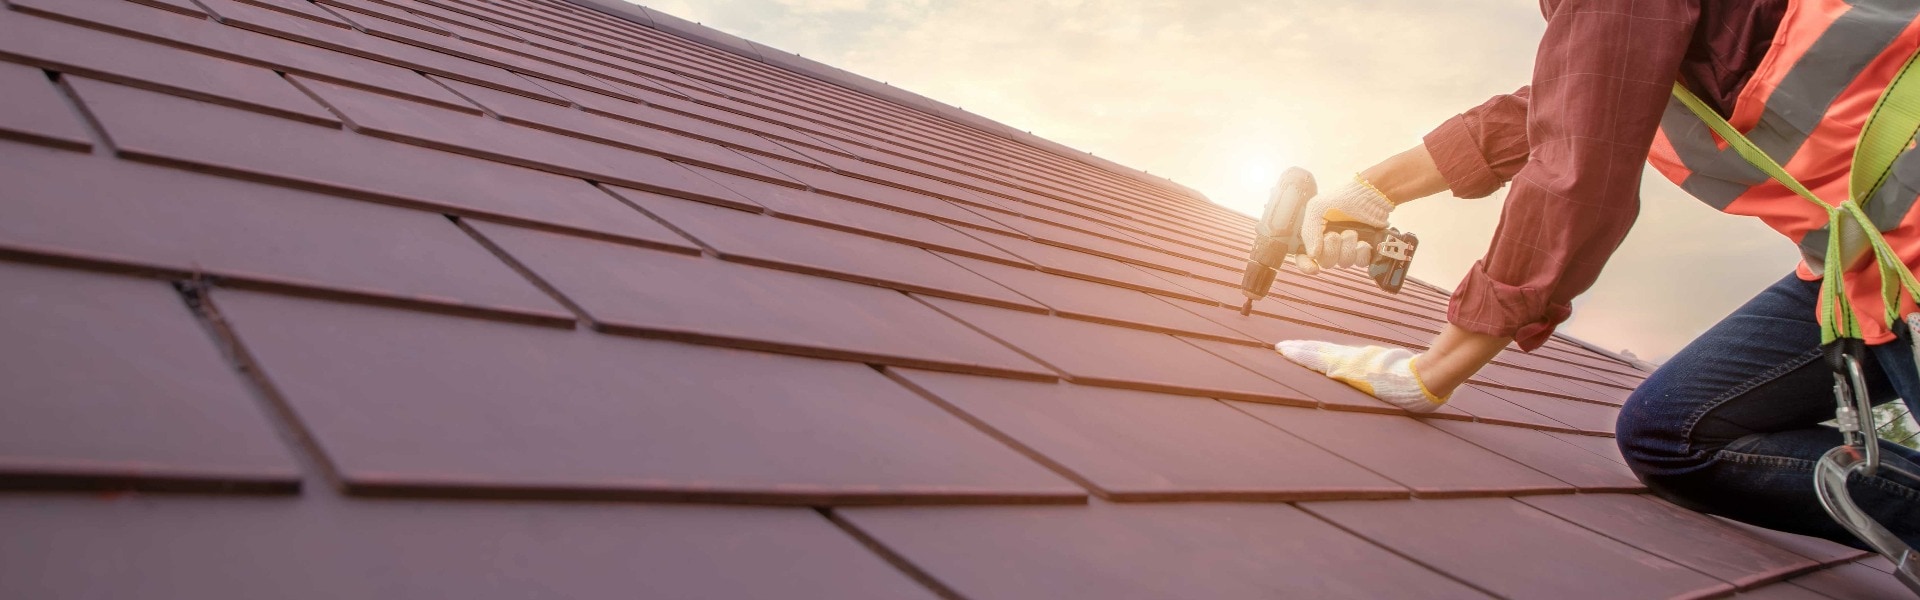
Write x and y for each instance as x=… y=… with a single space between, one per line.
x=1890 y=129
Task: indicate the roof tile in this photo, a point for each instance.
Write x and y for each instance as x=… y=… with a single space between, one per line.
x=1145 y=551
x=1521 y=379
x=515 y=410
x=1516 y=551
x=345 y=39
x=778 y=243
x=1854 y=582
x=1232 y=299
x=1677 y=534
x=1878 y=563
x=1591 y=391
x=178 y=548
x=1369 y=327
x=1586 y=416
x=172 y=130
x=1410 y=452
x=1135 y=446
x=111 y=383
x=187 y=224
x=1104 y=355
x=1074 y=263
x=894 y=198
x=85 y=51
x=1486 y=407
x=374 y=15
x=434 y=127
x=1820 y=550
x=856 y=217
x=467 y=27
x=36 y=111
x=1547 y=454
x=1780 y=591
x=244 y=10
x=650 y=293
x=1081 y=299
x=1604 y=446
x=202 y=35
x=185 y=7
x=1091 y=243
x=569 y=121
x=1270 y=330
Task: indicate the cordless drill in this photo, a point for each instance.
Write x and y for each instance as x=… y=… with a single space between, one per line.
x=1277 y=236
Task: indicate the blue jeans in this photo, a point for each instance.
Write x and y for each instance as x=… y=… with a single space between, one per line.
x=1731 y=425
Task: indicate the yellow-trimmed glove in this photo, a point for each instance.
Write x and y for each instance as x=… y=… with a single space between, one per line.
x=1385 y=373
x=1357 y=202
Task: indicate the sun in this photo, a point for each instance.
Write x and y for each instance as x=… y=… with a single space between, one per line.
x=1255 y=169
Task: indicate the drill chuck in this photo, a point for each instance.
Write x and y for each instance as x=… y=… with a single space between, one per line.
x=1255 y=283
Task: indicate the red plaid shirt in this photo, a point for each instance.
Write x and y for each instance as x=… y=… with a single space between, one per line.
x=1574 y=144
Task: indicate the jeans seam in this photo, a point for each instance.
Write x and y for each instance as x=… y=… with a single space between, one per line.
x=1886 y=485
x=1693 y=420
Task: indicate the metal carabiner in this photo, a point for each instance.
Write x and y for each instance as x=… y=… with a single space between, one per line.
x=1853 y=408
x=1860 y=453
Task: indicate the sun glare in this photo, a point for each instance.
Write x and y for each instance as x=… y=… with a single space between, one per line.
x=1245 y=180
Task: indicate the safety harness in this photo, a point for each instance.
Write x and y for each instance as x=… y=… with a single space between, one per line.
x=1890 y=130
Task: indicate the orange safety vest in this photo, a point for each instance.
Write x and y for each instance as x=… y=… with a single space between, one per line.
x=1805 y=106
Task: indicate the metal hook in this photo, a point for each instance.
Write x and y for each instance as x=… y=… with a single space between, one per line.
x=1830 y=482
x=1860 y=453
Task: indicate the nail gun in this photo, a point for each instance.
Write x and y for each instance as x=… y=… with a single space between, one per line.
x=1277 y=236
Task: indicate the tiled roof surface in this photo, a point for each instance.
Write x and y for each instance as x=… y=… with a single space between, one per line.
x=513 y=298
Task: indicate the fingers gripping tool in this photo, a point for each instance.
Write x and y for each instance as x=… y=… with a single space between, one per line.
x=1277 y=236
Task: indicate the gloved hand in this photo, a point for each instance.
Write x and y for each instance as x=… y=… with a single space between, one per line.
x=1386 y=373
x=1357 y=202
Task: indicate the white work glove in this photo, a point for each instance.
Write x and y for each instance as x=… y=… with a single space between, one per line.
x=1357 y=202
x=1385 y=373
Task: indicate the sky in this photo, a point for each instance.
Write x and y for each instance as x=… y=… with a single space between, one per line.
x=1223 y=95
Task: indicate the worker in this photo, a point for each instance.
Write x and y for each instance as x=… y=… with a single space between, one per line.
x=1732 y=424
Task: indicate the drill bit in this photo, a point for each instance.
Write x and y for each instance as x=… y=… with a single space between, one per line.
x=1247 y=309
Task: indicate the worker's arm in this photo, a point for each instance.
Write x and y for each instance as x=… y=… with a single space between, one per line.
x=1602 y=78
x=1573 y=145
x=1416 y=383
x=1456 y=354
x=1482 y=149
x=1407 y=176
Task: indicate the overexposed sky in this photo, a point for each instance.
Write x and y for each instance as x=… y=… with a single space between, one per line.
x=1223 y=95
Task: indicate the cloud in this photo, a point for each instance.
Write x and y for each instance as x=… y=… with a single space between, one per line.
x=1222 y=95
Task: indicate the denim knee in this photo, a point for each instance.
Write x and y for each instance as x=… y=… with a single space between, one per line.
x=1650 y=440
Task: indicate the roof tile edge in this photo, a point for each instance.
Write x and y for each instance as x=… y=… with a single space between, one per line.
x=726 y=42
x=624 y=10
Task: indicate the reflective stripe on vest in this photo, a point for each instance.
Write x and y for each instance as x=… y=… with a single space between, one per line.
x=1804 y=106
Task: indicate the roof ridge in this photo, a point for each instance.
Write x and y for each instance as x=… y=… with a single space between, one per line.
x=799 y=65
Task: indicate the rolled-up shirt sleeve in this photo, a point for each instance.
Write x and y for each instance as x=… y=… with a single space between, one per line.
x=1480 y=150
x=1601 y=80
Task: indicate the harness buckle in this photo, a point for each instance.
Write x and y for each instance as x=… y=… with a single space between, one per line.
x=1853 y=409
